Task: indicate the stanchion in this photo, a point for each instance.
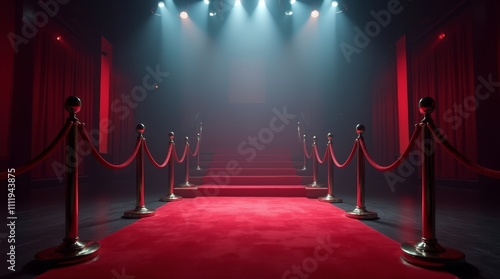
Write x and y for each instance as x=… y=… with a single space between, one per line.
x=72 y=250
x=302 y=142
x=199 y=143
x=186 y=180
x=330 y=197
x=314 y=166
x=360 y=211
x=171 y=196
x=428 y=252
x=140 y=210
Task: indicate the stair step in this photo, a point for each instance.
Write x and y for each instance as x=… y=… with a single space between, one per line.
x=258 y=157
x=252 y=171
x=252 y=164
x=251 y=191
x=256 y=180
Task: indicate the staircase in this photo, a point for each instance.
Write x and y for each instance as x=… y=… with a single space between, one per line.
x=271 y=173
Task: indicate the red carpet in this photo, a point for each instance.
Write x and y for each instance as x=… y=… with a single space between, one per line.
x=246 y=238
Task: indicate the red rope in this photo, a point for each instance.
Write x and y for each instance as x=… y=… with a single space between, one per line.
x=103 y=161
x=308 y=156
x=169 y=154
x=180 y=161
x=401 y=158
x=42 y=156
x=315 y=148
x=195 y=153
x=353 y=151
x=438 y=137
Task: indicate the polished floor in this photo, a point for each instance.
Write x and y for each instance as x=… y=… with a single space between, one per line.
x=465 y=220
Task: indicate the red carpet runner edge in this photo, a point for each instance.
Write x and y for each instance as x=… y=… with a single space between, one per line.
x=247 y=238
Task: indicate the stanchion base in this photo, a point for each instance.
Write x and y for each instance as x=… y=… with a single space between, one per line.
x=303 y=169
x=171 y=197
x=186 y=185
x=54 y=256
x=315 y=185
x=139 y=212
x=198 y=168
x=330 y=198
x=440 y=259
x=361 y=213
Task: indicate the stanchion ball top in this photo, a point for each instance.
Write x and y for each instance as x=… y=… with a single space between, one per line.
x=360 y=128
x=426 y=105
x=171 y=135
x=140 y=128
x=73 y=104
x=329 y=136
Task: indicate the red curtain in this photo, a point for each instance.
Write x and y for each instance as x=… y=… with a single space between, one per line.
x=442 y=68
x=385 y=115
x=62 y=68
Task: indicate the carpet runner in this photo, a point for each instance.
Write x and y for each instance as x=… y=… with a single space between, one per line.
x=247 y=238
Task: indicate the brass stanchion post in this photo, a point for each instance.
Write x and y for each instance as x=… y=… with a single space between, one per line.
x=360 y=211
x=186 y=180
x=428 y=252
x=72 y=250
x=199 y=146
x=314 y=166
x=140 y=210
x=171 y=196
x=330 y=197
x=304 y=168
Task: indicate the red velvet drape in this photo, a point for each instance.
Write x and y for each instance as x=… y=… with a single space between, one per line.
x=61 y=68
x=385 y=115
x=443 y=69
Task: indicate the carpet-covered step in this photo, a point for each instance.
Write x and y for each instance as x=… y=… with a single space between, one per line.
x=252 y=171
x=257 y=157
x=251 y=164
x=256 y=180
x=251 y=191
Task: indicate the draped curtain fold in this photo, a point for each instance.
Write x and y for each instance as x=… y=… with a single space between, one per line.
x=62 y=68
x=385 y=115
x=442 y=68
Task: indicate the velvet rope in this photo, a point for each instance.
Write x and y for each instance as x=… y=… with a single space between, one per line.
x=151 y=158
x=45 y=153
x=401 y=158
x=315 y=148
x=195 y=153
x=353 y=151
x=308 y=156
x=439 y=138
x=184 y=155
x=103 y=161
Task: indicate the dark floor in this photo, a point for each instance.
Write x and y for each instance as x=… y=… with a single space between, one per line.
x=464 y=222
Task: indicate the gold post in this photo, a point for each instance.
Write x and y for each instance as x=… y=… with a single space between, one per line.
x=171 y=196
x=428 y=252
x=360 y=211
x=72 y=250
x=199 y=147
x=330 y=197
x=186 y=180
x=314 y=166
x=140 y=210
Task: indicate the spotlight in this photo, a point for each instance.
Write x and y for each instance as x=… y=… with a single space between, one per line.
x=335 y=4
x=161 y=4
x=289 y=13
x=314 y=13
x=59 y=38
x=237 y=2
x=212 y=13
x=206 y=1
x=183 y=15
x=293 y=1
x=441 y=36
x=262 y=2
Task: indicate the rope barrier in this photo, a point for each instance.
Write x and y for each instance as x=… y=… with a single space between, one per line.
x=42 y=156
x=349 y=158
x=308 y=156
x=99 y=157
x=184 y=155
x=401 y=158
x=315 y=147
x=439 y=138
x=197 y=150
x=152 y=159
